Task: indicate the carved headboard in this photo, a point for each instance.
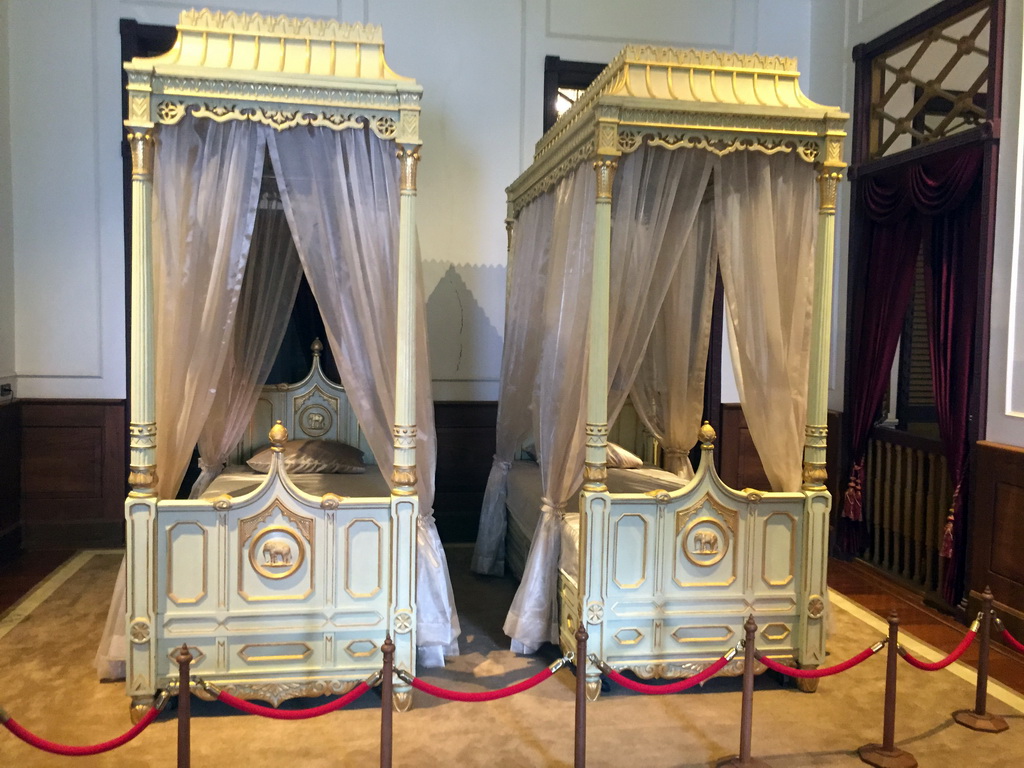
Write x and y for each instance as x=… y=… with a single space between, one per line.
x=315 y=407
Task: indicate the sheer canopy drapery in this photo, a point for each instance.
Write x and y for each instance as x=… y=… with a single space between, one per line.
x=272 y=277
x=766 y=213
x=656 y=251
x=340 y=191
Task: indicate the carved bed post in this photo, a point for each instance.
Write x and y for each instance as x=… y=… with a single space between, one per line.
x=819 y=502
x=140 y=507
x=404 y=501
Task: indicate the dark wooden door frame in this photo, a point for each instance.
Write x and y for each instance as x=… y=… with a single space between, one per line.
x=987 y=135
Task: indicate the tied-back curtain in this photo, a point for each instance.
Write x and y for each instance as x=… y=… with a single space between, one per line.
x=559 y=401
x=340 y=191
x=766 y=211
x=655 y=200
x=932 y=206
x=206 y=188
x=527 y=282
x=271 y=282
x=668 y=393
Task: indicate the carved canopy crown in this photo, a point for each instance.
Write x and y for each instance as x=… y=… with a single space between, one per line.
x=720 y=102
x=276 y=70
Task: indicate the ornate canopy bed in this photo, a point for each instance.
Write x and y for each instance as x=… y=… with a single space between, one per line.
x=283 y=583
x=672 y=165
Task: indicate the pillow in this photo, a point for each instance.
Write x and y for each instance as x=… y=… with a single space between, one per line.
x=620 y=458
x=313 y=457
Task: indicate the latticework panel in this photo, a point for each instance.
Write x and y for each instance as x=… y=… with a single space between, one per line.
x=933 y=85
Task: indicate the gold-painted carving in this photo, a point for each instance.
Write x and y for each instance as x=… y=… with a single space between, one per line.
x=595 y=473
x=276 y=693
x=276 y=552
x=301 y=652
x=628 y=636
x=404 y=436
x=278 y=436
x=223 y=502
x=605 y=170
x=828 y=188
x=814 y=475
x=707 y=434
x=331 y=501
x=593 y=690
x=403 y=476
x=142 y=155
x=776 y=632
x=701 y=542
x=401 y=700
x=409 y=158
x=143 y=481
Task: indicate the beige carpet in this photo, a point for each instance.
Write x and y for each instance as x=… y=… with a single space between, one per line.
x=47 y=684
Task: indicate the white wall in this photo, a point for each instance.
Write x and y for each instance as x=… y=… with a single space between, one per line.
x=6 y=241
x=481 y=65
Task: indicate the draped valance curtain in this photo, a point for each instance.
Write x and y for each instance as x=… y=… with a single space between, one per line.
x=656 y=252
x=932 y=208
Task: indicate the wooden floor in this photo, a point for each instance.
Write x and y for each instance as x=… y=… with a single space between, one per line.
x=856 y=580
x=870 y=588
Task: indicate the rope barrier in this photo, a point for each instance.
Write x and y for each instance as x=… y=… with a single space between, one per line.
x=1011 y=641
x=80 y=751
x=835 y=669
x=677 y=687
x=500 y=693
x=289 y=714
x=942 y=663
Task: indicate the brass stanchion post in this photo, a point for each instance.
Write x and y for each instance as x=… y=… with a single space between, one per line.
x=386 y=689
x=184 y=659
x=978 y=719
x=747 y=707
x=580 y=758
x=886 y=754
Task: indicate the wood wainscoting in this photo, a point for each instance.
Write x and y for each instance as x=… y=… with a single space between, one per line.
x=74 y=471
x=465 y=449
x=740 y=466
x=998 y=532
x=10 y=480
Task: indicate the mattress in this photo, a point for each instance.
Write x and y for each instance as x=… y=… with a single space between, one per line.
x=523 y=504
x=238 y=480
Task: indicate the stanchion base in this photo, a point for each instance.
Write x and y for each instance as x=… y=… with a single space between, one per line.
x=877 y=755
x=736 y=762
x=988 y=723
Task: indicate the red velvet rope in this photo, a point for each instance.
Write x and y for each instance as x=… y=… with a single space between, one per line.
x=93 y=749
x=292 y=714
x=1012 y=641
x=821 y=671
x=676 y=687
x=943 y=663
x=444 y=693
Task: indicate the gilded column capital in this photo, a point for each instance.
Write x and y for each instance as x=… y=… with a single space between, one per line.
x=828 y=187
x=141 y=144
x=409 y=158
x=143 y=482
x=814 y=476
x=605 y=170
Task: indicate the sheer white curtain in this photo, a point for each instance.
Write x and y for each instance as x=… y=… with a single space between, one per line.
x=340 y=190
x=206 y=181
x=654 y=204
x=559 y=402
x=668 y=392
x=766 y=210
x=272 y=277
x=527 y=280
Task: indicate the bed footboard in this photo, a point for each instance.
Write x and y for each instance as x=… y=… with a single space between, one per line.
x=278 y=594
x=666 y=579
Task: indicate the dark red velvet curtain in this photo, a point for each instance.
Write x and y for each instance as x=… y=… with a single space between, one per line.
x=935 y=201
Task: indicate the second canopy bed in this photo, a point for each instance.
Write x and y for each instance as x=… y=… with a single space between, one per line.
x=671 y=165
